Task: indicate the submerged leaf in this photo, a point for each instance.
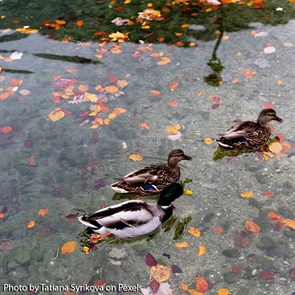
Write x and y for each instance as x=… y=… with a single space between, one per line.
x=68 y=247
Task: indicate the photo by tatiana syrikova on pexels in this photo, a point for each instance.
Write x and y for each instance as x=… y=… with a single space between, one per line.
x=71 y=287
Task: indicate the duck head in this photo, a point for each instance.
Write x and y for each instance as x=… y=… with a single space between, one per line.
x=176 y=156
x=267 y=115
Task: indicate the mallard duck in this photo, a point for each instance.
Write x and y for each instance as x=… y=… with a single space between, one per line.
x=134 y=218
x=151 y=179
x=248 y=134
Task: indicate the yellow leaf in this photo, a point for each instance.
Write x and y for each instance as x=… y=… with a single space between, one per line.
x=68 y=247
x=43 y=211
x=223 y=291
x=181 y=245
x=106 y=121
x=208 y=140
x=135 y=157
x=112 y=115
x=194 y=231
x=31 y=224
x=194 y=292
x=173 y=129
x=119 y=111
x=120 y=37
x=161 y=273
x=164 y=61
x=86 y=249
x=201 y=250
x=290 y=223
x=247 y=195
x=275 y=147
x=184 y=26
x=56 y=115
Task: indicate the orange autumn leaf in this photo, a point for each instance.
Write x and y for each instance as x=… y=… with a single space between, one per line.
x=145 y=125
x=249 y=73
x=2 y=215
x=173 y=103
x=119 y=111
x=268 y=105
x=223 y=291
x=122 y=83
x=161 y=273
x=202 y=284
x=32 y=161
x=83 y=88
x=208 y=140
x=201 y=250
x=286 y=146
x=111 y=89
x=280 y=82
x=194 y=231
x=56 y=114
x=290 y=223
x=218 y=229
x=106 y=121
x=16 y=82
x=251 y=226
x=173 y=85
x=235 y=80
x=112 y=115
x=6 y=129
x=275 y=217
x=267 y=194
x=79 y=23
x=155 y=92
x=135 y=157
x=164 y=61
x=4 y=95
x=184 y=286
x=43 y=211
x=275 y=147
x=68 y=247
x=194 y=292
x=181 y=245
x=173 y=129
x=246 y=195
x=31 y=224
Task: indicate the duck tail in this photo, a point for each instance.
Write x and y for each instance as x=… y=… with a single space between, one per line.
x=88 y=222
x=115 y=186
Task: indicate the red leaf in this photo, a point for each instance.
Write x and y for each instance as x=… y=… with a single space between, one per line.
x=99 y=283
x=72 y=216
x=236 y=269
x=154 y=285
x=150 y=260
x=215 y=106
x=266 y=275
x=28 y=143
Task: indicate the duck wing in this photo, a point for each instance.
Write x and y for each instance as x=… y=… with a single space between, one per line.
x=126 y=214
x=240 y=131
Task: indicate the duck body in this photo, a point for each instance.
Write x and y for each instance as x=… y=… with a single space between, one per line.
x=136 y=218
x=248 y=134
x=151 y=179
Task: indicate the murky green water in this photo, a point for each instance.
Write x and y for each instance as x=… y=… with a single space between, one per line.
x=66 y=166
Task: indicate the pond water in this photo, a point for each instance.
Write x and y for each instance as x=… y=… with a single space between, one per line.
x=66 y=134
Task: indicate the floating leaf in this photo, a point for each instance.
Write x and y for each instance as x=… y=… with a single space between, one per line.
x=6 y=129
x=56 y=114
x=275 y=147
x=274 y=217
x=150 y=260
x=161 y=273
x=111 y=89
x=164 y=61
x=68 y=247
x=269 y=49
x=79 y=23
x=43 y=211
x=181 y=245
x=194 y=231
x=249 y=73
x=208 y=140
x=31 y=224
x=246 y=195
x=194 y=292
x=173 y=85
x=173 y=129
x=251 y=226
x=290 y=223
x=155 y=92
x=173 y=103
x=223 y=291
x=135 y=157
x=202 y=284
x=72 y=216
x=184 y=286
x=266 y=275
x=267 y=194
x=201 y=250
x=242 y=239
x=145 y=125
x=122 y=83
x=218 y=229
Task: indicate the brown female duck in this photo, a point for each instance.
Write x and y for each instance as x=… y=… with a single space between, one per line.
x=151 y=179
x=249 y=135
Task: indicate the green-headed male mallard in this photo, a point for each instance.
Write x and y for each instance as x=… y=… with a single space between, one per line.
x=134 y=218
x=248 y=134
x=151 y=179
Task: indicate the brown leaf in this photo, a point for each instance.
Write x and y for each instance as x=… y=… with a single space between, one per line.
x=150 y=260
x=161 y=273
x=242 y=239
